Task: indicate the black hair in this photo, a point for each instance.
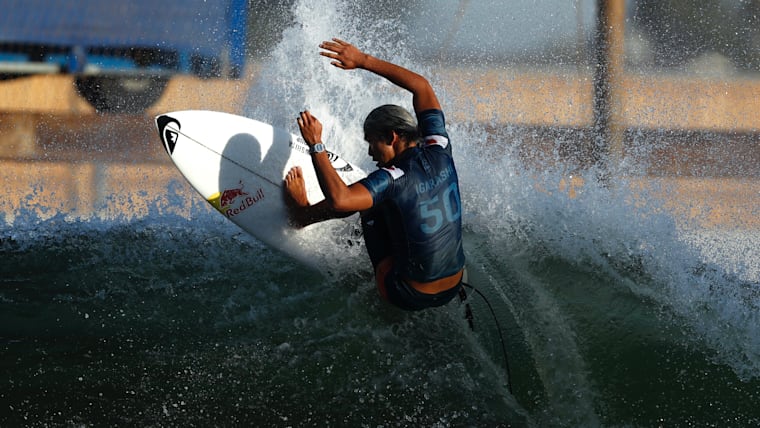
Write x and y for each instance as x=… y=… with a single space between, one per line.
x=386 y=119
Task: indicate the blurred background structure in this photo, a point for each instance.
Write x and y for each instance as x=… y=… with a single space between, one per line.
x=663 y=88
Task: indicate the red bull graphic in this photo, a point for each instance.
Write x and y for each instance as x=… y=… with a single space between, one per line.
x=229 y=196
x=232 y=202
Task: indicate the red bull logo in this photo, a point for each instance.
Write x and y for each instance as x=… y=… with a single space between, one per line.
x=229 y=196
x=232 y=202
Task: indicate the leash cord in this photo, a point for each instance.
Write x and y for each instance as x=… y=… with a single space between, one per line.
x=498 y=328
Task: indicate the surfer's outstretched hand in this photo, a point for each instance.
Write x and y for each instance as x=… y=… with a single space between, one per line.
x=344 y=54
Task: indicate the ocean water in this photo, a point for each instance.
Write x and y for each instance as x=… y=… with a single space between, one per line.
x=613 y=311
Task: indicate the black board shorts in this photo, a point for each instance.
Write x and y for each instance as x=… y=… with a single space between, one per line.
x=406 y=297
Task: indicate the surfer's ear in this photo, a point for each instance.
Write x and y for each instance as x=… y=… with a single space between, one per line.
x=400 y=142
x=394 y=138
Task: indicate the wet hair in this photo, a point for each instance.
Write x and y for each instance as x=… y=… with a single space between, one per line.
x=384 y=120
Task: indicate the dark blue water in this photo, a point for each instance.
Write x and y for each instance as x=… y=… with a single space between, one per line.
x=166 y=322
x=170 y=321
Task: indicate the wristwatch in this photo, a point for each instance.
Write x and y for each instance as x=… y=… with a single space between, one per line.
x=317 y=148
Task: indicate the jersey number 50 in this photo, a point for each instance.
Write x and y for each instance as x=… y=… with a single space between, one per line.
x=433 y=211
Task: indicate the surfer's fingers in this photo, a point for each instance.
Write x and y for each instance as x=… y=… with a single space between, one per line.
x=336 y=57
x=330 y=50
x=307 y=117
x=333 y=44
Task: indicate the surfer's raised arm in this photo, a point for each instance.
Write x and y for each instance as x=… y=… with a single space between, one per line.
x=347 y=56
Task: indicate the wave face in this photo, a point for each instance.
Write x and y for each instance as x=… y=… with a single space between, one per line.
x=613 y=311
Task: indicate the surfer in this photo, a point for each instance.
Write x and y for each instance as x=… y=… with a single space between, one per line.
x=410 y=207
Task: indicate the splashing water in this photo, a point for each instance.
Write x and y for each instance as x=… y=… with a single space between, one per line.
x=613 y=229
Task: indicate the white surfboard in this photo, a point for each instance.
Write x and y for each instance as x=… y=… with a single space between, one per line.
x=239 y=164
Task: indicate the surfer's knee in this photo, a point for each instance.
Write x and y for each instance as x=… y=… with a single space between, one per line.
x=382 y=270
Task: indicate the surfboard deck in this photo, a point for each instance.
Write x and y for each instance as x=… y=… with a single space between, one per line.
x=239 y=164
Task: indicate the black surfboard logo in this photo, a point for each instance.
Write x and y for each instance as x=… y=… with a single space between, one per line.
x=338 y=163
x=168 y=136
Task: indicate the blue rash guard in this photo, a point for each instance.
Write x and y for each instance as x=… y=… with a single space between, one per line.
x=418 y=195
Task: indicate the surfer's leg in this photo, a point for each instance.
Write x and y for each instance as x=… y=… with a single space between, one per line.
x=382 y=270
x=376 y=236
x=393 y=289
x=377 y=241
